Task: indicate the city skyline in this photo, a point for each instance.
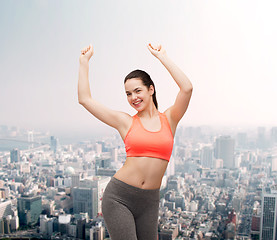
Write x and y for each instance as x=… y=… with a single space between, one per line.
x=211 y=187
x=227 y=49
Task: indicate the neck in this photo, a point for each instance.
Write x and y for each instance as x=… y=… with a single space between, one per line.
x=149 y=112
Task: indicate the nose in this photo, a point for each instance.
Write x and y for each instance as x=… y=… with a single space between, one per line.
x=134 y=96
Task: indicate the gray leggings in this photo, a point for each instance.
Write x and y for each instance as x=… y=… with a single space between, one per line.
x=129 y=212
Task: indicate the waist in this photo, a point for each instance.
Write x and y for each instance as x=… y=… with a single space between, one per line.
x=142 y=172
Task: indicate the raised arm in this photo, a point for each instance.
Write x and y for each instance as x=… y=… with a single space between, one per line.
x=178 y=109
x=115 y=119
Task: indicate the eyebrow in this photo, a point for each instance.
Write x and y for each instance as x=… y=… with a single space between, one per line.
x=134 y=89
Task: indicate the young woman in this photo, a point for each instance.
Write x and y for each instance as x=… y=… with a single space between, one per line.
x=130 y=203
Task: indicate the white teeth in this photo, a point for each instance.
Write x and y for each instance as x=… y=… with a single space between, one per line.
x=136 y=103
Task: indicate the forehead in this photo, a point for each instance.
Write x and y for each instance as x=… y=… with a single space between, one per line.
x=133 y=83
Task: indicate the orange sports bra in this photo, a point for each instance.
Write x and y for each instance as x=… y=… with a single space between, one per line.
x=139 y=142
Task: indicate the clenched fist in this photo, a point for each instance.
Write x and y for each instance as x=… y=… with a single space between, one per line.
x=86 y=54
x=156 y=50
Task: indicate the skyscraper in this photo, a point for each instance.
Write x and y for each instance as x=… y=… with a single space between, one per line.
x=224 y=149
x=206 y=157
x=269 y=214
x=85 y=200
x=54 y=143
x=273 y=135
x=15 y=155
x=29 y=209
x=261 y=138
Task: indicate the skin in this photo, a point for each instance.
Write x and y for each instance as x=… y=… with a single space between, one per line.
x=142 y=172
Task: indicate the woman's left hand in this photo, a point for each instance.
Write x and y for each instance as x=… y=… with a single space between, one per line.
x=156 y=50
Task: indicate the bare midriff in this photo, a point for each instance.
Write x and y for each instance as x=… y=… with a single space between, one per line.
x=142 y=172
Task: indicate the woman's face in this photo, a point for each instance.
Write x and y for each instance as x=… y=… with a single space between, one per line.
x=138 y=95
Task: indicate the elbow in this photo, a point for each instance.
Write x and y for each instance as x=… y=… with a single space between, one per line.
x=188 y=89
x=81 y=101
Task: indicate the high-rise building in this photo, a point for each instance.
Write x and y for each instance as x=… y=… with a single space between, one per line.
x=81 y=226
x=46 y=225
x=273 y=135
x=273 y=161
x=87 y=197
x=269 y=214
x=54 y=143
x=15 y=155
x=114 y=153
x=206 y=157
x=256 y=221
x=261 y=138
x=29 y=209
x=224 y=149
x=4 y=192
x=75 y=179
x=85 y=200
x=5 y=209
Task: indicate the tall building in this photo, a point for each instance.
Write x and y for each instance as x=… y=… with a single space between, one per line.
x=87 y=197
x=5 y=209
x=256 y=221
x=54 y=143
x=4 y=192
x=206 y=157
x=15 y=155
x=29 y=209
x=261 y=138
x=75 y=179
x=273 y=135
x=46 y=225
x=98 y=148
x=269 y=214
x=114 y=152
x=224 y=149
x=273 y=161
x=85 y=200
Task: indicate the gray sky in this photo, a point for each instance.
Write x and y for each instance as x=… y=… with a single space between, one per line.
x=226 y=48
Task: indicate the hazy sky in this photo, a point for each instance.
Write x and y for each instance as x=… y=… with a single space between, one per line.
x=226 y=48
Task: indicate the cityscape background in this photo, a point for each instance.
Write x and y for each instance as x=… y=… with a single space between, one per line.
x=56 y=159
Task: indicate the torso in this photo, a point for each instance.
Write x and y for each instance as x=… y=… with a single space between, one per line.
x=143 y=172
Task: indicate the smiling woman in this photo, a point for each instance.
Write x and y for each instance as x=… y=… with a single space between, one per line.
x=132 y=195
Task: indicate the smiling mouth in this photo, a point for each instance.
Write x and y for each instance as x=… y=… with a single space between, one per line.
x=137 y=103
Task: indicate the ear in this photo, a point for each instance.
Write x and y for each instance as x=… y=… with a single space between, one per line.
x=151 y=89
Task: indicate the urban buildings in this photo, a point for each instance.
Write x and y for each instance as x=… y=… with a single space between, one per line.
x=216 y=186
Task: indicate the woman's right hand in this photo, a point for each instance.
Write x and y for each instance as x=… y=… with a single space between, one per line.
x=86 y=54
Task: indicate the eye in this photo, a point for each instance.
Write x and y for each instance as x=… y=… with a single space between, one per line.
x=138 y=91
x=128 y=94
